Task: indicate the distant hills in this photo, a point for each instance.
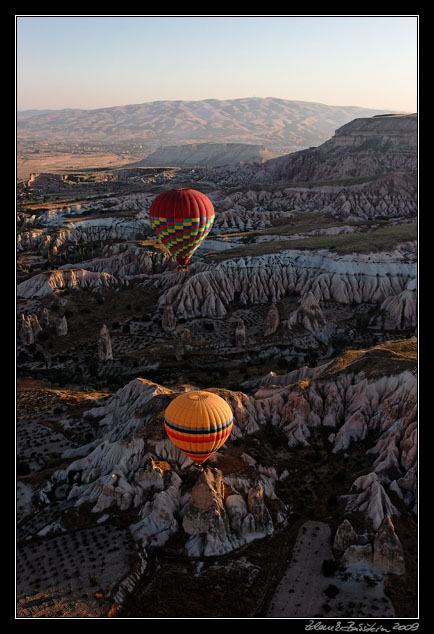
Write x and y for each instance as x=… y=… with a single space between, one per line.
x=281 y=125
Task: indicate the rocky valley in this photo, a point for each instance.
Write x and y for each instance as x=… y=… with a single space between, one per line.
x=299 y=310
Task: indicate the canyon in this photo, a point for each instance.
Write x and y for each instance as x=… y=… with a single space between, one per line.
x=299 y=310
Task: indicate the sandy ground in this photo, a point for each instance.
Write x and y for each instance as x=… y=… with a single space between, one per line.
x=52 y=161
x=301 y=591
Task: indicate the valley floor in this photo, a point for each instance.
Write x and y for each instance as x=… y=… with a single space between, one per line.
x=304 y=591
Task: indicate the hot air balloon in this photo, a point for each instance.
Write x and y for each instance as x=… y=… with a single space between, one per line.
x=182 y=218
x=198 y=423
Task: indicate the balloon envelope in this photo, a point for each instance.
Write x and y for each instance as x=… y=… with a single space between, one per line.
x=198 y=423
x=181 y=219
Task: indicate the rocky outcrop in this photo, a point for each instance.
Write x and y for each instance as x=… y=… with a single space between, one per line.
x=84 y=232
x=363 y=147
x=259 y=512
x=186 y=336
x=400 y=311
x=205 y=518
x=46 y=283
x=240 y=334
x=44 y=318
x=371 y=499
x=345 y=536
x=364 y=278
x=158 y=521
x=310 y=316
x=357 y=553
x=125 y=260
x=62 y=326
x=388 y=131
x=388 y=555
x=381 y=196
x=212 y=154
x=29 y=329
x=123 y=414
x=217 y=525
x=124 y=475
x=272 y=321
x=168 y=321
x=249 y=212
x=105 y=352
x=26 y=334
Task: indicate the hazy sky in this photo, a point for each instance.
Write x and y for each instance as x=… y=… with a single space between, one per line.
x=102 y=61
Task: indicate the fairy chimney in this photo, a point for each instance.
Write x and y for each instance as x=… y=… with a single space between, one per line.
x=240 y=334
x=168 y=321
x=104 y=345
x=272 y=321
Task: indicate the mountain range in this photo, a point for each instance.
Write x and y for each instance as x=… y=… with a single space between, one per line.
x=282 y=125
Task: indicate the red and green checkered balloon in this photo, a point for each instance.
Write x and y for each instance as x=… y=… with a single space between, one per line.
x=181 y=219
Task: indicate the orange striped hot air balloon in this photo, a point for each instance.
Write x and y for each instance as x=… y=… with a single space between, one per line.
x=198 y=423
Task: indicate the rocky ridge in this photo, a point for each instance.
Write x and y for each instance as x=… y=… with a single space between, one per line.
x=362 y=148
x=264 y=279
x=211 y=154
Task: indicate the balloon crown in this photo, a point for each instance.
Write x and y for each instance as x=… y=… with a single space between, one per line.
x=198 y=396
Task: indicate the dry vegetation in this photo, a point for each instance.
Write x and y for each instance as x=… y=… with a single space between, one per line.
x=374 y=240
x=390 y=357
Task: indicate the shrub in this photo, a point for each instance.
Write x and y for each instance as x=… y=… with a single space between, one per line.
x=329 y=567
x=331 y=591
x=23 y=468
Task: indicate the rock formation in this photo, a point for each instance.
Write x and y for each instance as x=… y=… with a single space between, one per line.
x=345 y=279
x=26 y=333
x=211 y=154
x=362 y=147
x=260 y=514
x=400 y=311
x=388 y=555
x=186 y=336
x=62 y=326
x=132 y=467
x=272 y=321
x=205 y=518
x=310 y=316
x=240 y=334
x=345 y=536
x=357 y=553
x=218 y=525
x=168 y=322
x=44 y=318
x=46 y=283
x=372 y=499
x=104 y=345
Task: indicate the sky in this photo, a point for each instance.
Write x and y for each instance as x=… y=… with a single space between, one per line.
x=103 y=61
